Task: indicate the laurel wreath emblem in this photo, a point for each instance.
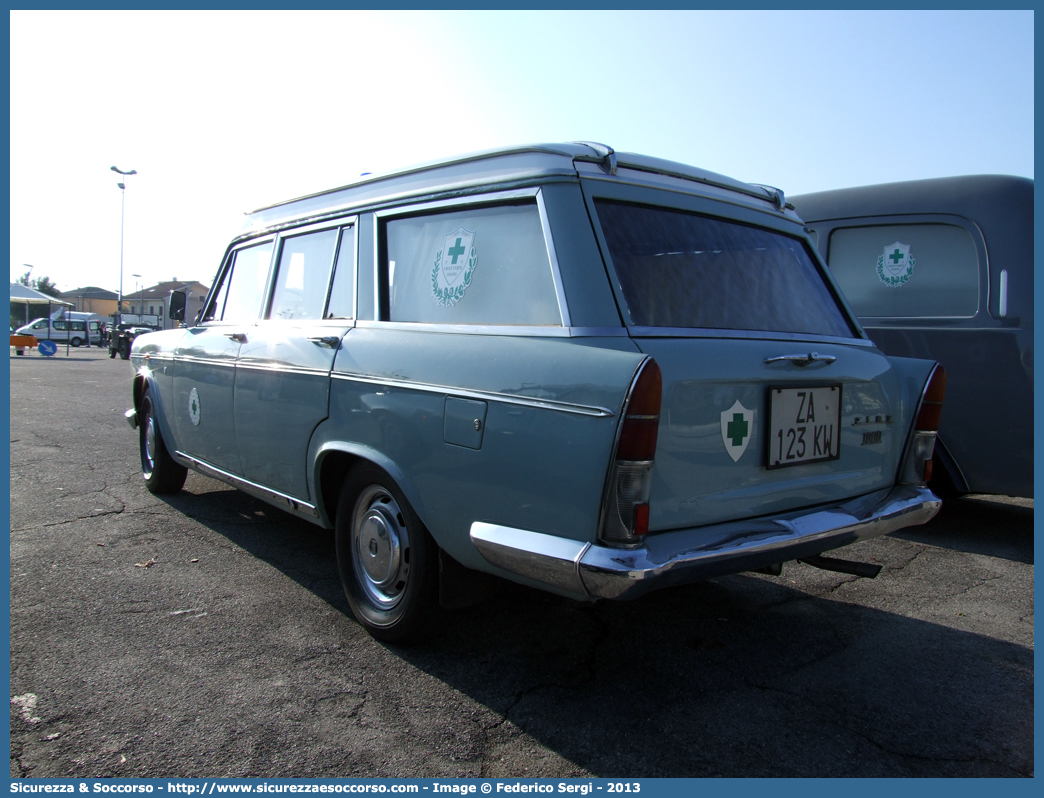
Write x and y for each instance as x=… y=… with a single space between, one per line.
x=447 y=297
x=900 y=279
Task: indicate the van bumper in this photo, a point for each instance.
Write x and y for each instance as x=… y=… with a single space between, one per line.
x=672 y=558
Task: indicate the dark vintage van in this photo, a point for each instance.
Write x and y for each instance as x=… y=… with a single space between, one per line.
x=943 y=269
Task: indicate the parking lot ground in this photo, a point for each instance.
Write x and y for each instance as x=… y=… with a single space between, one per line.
x=206 y=634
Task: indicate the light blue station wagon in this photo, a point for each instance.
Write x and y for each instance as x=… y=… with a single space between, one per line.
x=590 y=372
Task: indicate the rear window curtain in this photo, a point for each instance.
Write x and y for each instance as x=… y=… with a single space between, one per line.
x=484 y=265
x=679 y=269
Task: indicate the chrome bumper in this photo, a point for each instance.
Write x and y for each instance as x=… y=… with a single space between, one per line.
x=689 y=555
x=132 y=418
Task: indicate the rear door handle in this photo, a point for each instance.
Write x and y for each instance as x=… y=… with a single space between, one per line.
x=325 y=340
x=803 y=360
x=239 y=338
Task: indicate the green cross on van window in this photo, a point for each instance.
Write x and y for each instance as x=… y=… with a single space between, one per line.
x=737 y=429
x=456 y=251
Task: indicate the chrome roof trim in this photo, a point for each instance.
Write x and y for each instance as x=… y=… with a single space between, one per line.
x=494 y=396
x=566 y=150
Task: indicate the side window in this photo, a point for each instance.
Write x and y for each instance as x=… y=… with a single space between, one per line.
x=906 y=270
x=342 y=293
x=238 y=299
x=58 y=325
x=470 y=266
x=303 y=276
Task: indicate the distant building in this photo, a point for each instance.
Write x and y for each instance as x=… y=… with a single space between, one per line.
x=156 y=300
x=91 y=299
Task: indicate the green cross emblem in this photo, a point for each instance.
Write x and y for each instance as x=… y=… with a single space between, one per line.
x=895 y=257
x=456 y=251
x=737 y=429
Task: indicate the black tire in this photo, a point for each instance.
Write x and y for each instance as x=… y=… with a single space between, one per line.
x=75 y=342
x=124 y=349
x=161 y=473
x=387 y=560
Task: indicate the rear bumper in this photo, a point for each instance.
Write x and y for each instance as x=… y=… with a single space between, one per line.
x=689 y=555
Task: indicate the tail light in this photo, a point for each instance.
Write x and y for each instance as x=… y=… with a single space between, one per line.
x=626 y=511
x=917 y=465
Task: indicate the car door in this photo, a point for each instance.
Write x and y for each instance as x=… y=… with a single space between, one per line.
x=282 y=380
x=205 y=359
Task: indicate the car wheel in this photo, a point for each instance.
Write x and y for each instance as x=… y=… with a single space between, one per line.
x=387 y=560
x=162 y=474
x=124 y=349
x=75 y=342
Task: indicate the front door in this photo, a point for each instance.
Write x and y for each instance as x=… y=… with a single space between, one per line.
x=205 y=360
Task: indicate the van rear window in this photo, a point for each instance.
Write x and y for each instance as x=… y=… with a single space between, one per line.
x=679 y=269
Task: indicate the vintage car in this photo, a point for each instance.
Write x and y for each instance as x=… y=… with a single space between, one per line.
x=943 y=269
x=590 y=372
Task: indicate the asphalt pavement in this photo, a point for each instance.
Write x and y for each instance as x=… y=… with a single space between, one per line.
x=206 y=634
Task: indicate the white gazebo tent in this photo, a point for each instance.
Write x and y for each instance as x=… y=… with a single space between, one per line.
x=30 y=296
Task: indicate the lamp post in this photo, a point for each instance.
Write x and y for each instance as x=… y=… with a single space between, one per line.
x=123 y=202
x=141 y=298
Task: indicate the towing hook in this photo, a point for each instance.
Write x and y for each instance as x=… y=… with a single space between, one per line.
x=863 y=569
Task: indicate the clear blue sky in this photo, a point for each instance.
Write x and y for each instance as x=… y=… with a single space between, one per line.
x=222 y=112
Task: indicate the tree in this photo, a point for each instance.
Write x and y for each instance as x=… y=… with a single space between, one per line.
x=45 y=286
x=41 y=284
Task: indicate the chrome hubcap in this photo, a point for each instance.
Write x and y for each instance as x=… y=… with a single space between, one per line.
x=380 y=547
x=150 y=442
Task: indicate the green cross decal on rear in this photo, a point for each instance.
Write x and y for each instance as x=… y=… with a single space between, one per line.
x=456 y=251
x=737 y=429
x=895 y=257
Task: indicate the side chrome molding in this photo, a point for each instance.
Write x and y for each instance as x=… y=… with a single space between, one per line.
x=283 y=501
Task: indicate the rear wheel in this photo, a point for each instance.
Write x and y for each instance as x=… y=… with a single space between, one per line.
x=162 y=474
x=387 y=560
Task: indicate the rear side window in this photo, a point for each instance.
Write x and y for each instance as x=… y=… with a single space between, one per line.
x=679 y=269
x=303 y=276
x=906 y=270
x=471 y=266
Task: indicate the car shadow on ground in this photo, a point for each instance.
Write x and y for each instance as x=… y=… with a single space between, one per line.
x=997 y=526
x=739 y=676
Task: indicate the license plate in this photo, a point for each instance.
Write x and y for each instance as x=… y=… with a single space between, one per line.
x=804 y=425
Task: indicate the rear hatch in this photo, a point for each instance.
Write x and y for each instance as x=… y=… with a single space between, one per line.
x=772 y=397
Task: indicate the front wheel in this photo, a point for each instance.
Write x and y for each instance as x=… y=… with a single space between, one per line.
x=124 y=349
x=387 y=560
x=162 y=474
x=75 y=342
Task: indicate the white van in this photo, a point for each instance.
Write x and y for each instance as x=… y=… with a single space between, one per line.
x=67 y=326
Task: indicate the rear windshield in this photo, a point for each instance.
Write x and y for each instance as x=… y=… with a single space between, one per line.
x=681 y=269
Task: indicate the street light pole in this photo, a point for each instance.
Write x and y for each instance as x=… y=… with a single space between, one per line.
x=141 y=298
x=123 y=203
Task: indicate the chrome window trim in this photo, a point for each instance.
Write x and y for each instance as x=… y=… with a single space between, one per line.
x=282 y=500
x=376 y=241
x=467 y=393
x=478 y=200
x=206 y=361
x=706 y=332
x=525 y=330
x=281 y=369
